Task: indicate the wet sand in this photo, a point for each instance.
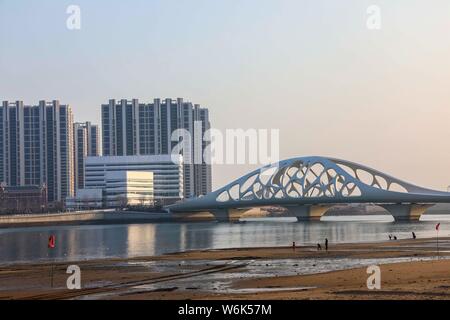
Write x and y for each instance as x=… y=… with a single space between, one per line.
x=247 y=273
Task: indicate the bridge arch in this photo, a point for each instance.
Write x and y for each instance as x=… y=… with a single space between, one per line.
x=309 y=183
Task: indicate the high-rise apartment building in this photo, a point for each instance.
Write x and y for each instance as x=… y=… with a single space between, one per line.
x=134 y=128
x=202 y=171
x=86 y=143
x=93 y=141
x=36 y=147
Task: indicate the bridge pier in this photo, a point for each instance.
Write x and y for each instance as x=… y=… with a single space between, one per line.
x=308 y=212
x=406 y=212
x=228 y=215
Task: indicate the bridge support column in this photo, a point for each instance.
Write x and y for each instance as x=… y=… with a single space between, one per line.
x=228 y=215
x=308 y=212
x=406 y=212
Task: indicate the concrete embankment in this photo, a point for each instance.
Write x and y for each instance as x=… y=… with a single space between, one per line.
x=107 y=217
x=84 y=217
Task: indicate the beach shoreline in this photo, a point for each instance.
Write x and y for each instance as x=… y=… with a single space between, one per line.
x=247 y=274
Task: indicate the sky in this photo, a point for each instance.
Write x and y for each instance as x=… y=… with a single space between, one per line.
x=310 y=68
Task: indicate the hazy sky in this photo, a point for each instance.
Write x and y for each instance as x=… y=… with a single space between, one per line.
x=310 y=68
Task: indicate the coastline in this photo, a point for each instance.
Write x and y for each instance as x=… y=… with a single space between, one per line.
x=410 y=270
x=109 y=217
x=93 y=218
x=96 y=217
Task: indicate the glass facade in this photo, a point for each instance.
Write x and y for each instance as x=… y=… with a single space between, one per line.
x=167 y=176
x=106 y=118
x=32 y=145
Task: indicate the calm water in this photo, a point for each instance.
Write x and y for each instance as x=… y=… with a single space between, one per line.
x=131 y=240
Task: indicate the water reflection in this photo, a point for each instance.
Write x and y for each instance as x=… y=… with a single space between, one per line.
x=104 y=241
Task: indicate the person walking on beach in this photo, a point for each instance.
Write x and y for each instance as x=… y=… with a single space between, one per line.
x=326 y=244
x=319 y=247
x=414 y=235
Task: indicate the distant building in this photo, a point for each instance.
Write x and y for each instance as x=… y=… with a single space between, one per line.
x=23 y=199
x=36 y=147
x=132 y=128
x=167 y=175
x=93 y=139
x=202 y=172
x=86 y=143
x=86 y=199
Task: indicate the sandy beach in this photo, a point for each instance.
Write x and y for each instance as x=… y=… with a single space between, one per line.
x=410 y=269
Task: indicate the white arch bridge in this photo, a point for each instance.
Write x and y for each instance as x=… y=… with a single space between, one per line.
x=308 y=186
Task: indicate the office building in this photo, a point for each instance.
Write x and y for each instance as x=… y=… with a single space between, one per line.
x=121 y=189
x=134 y=128
x=167 y=175
x=36 y=147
